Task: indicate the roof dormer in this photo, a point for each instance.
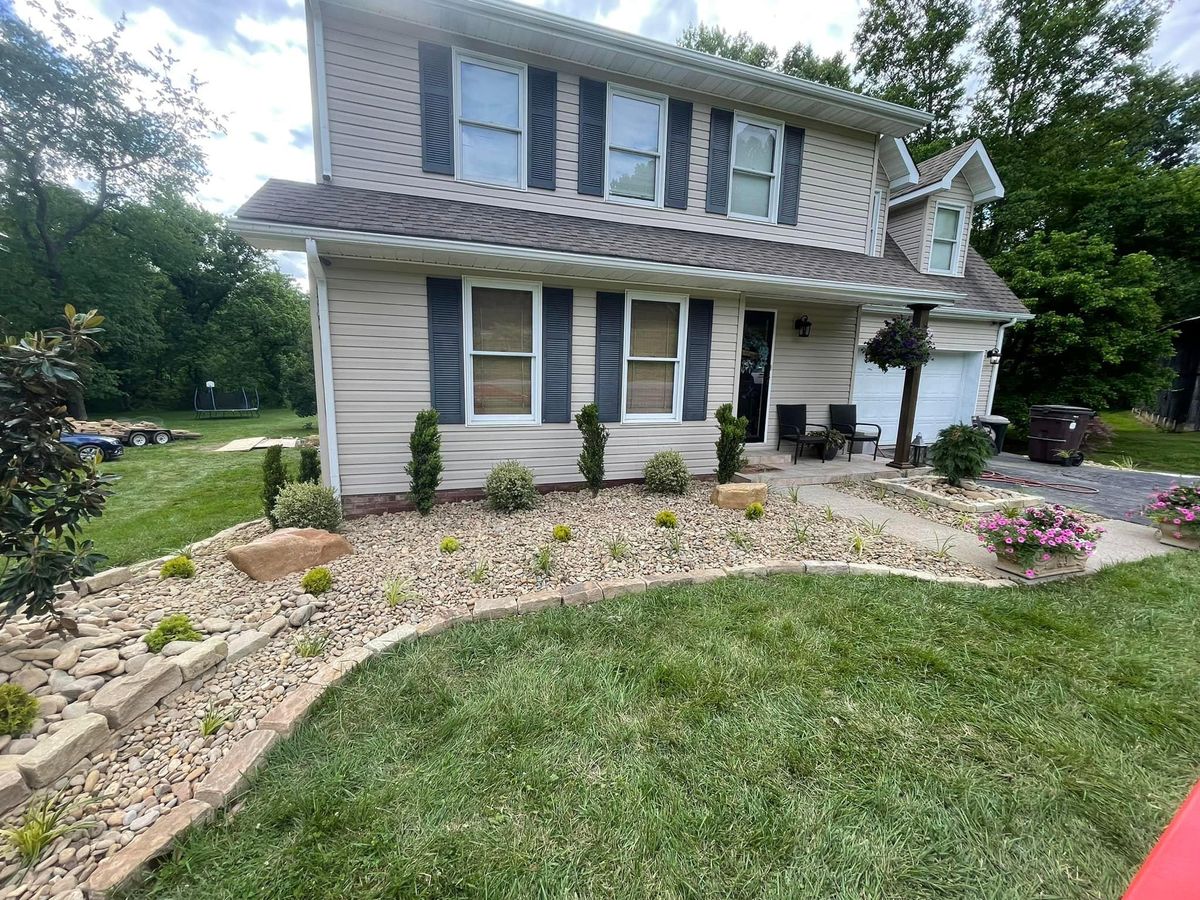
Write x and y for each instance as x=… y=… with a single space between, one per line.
x=937 y=174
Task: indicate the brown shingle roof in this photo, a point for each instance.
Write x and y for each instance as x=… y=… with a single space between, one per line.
x=385 y=212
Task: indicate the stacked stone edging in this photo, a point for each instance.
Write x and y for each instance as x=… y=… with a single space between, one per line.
x=230 y=777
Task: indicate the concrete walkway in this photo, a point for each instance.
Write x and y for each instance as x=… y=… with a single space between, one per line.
x=1123 y=541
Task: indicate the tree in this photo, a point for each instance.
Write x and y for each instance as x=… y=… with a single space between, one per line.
x=1096 y=339
x=46 y=494
x=424 y=467
x=911 y=52
x=740 y=47
x=804 y=62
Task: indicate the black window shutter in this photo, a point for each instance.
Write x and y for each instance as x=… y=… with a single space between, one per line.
x=444 y=296
x=610 y=347
x=593 y=100
x=437 y=108
x=695 y=371
x=789 y=186
x=556 y=354
x=720 y=138
x=543 y=119
x=679 y=152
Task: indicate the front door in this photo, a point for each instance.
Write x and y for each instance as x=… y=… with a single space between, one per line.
x=758 y=337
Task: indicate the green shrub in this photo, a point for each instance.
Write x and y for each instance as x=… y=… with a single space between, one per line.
x=562 y=533
x=304 y=505
x=666 y=519
x=317 y=581
x=274 y=480
x=509 y=487
x=450 y=545
x=18 y=709
x=424 y=467
x=667 y=473
x=310 y=465
x=755 y=511
x=172 y=628
x=595 y=437
x=177 y=567
x=961 y=452
x=731 y=443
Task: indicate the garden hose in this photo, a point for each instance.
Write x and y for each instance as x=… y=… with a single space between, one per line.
x=1065 y=487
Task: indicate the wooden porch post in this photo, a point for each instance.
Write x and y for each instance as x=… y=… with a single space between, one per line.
x=908 y=400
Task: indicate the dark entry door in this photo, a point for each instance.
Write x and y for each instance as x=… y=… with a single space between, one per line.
x=758 y=335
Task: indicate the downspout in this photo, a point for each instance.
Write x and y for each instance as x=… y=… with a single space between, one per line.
x=329 y=437
x=996 y=372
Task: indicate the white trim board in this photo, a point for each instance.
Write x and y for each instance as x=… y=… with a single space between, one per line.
x=994 y=191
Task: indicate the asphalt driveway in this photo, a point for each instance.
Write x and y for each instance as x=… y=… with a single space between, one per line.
x=1120 y=490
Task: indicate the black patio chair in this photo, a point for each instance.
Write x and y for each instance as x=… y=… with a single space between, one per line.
x=791 y=420
x=843 y=418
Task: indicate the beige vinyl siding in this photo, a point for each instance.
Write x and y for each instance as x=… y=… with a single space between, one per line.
x=976 y=335
x=959 y=194
x=815 y=370
x=379 y=338
x=906 y=225
x=375 y=140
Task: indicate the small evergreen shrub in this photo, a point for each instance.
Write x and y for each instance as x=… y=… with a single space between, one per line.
x=509 y=487
x=595 y=437
x=562 y=533
x=304 y=505
x=731 y=443
x=666 y=519
x=424 y=467
x=755 y=511
x=274 y=479
x=667 y=473
x=310 y=465
x=450 y=545
x=317 y=581
x=177 y=567
x=172 y=628
x=961 y=451
x=18 y=709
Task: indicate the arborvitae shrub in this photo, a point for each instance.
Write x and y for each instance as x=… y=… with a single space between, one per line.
x=731 y=443
x=274 y=478
x=595 y=437
x=424 y=466
x=310 y=465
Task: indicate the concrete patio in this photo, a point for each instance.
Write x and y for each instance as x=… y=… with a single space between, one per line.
x=776 y=468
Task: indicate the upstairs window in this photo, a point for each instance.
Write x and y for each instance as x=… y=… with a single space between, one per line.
x=489 y=124
x=654 y=329
x=753 y=180
x=503 y=344
x=947 y=235
x=637 y=125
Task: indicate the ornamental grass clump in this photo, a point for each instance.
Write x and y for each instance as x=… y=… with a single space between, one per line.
x=1036 y=535
x=961 y=452
x=1176 y=511
x=899 y=344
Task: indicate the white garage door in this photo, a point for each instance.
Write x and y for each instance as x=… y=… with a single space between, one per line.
x=949 y=386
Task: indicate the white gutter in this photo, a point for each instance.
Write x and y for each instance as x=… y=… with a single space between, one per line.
x=497 y=253
x=317 y=268
x=996 y=368
x=958 y=312
x=320 y=90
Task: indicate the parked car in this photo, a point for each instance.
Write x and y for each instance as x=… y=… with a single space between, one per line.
x=91 y=447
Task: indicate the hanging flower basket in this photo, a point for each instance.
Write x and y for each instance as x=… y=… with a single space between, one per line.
x=899 y=344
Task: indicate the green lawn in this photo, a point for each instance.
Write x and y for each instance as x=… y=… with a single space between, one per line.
x=782 y=738
x=173 y=495
x=1149 y=448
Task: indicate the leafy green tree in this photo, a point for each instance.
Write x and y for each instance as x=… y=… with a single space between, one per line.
x=912 y=52
x=1096 y=339
x=804 y=62
x=740 y=47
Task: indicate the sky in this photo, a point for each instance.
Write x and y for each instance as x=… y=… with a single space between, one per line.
x=251 y=57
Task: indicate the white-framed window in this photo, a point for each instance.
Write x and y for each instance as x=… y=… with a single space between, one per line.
x=754 y=168
x=947 y=238
x=637 y=136
x=489 y=120
x=502 y=337
x=875 y=224
x=655 y=325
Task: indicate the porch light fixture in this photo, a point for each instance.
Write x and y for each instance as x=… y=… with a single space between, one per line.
x=803 y=327
x=993 y=356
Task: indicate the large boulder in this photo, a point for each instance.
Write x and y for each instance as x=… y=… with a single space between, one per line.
x=287 y=550
x=739 y=495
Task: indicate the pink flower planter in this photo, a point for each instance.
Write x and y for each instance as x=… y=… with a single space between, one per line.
x=1059 y=565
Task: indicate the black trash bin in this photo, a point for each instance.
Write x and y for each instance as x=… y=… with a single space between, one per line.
x=998 y=426
x=1053 y=429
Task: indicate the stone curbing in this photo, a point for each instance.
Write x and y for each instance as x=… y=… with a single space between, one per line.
x=230 y=777
x=912 y=487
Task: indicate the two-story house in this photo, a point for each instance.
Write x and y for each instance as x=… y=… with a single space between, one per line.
x=516 y=214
